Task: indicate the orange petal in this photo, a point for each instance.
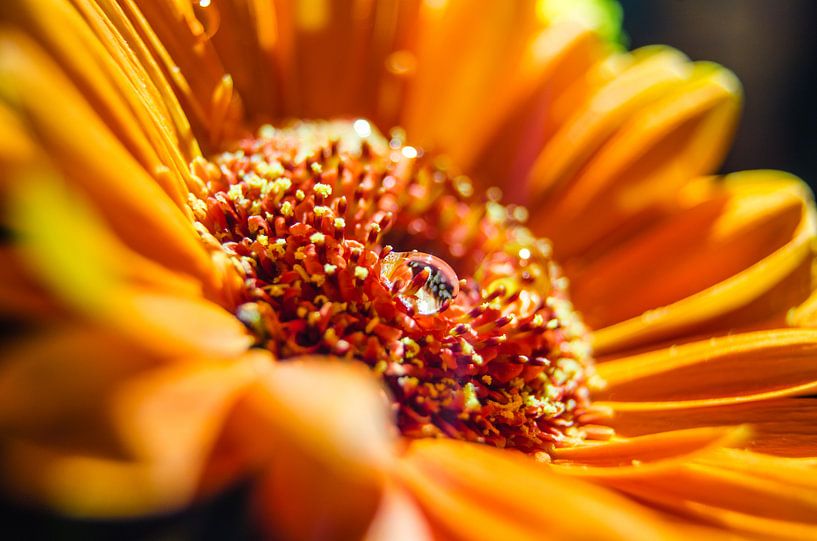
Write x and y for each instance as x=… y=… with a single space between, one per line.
x=651 y=73
x=558 y=67
x=20 y=295
x=321 y=430
x=725 y=494
x=398 y=518
x=134 y=205
x=729 y=262
x=90 y=271
x=783 y=426
x=726 y=524
x=727 y=370
x=122 y=91
x=475 y=492
x=487 y=42
x=168 y=418
x=674 y=445
x=53 y=383
x=638 y=172
x=17 y=147
x=178 y=37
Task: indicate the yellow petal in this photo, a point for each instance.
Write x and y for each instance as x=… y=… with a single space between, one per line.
x=734 y=260
x=475 y=492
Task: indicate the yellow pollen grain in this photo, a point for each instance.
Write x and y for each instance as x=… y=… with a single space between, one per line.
x=380 y=367
x=275 y=290
x=300 y=195
x=236 y=192
x=263 y=240
x=322 y=189
x=321 y=211
x=279 y=247
x=372 y=324
x=266 y=131
x=316 y=168
x=340 y=223
x=470 y=395
x=253 y=181
x=286 y=209
x=317 y=238
x=361 y=273
x=280 y=185
x=412 y=347
x=329 y=268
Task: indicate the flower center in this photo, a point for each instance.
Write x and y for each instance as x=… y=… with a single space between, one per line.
x=367 y=249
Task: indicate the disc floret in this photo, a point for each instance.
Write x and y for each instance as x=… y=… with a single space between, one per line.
x=352 y=246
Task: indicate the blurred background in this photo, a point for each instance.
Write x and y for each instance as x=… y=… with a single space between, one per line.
x=772 y=47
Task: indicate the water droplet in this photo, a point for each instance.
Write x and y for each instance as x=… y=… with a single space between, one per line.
x=401 y=63
x=423 y=282
x=207 y=20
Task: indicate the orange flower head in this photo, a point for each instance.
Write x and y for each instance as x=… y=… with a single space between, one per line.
x=344 y=241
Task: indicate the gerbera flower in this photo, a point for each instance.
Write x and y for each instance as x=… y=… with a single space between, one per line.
x=352 y=251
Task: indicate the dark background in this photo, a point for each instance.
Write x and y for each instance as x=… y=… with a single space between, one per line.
x=772 y=47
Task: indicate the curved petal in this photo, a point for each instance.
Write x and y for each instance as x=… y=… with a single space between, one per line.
x=52 y=384
x=178 y=38
x=93 y=273
x=734 y=491
x=672 y=446
x=104 y=64
x=646 y=75
x=319 y=428
x=727 y=370
x=740 y=258
x=783 y=426
x=136 y=207
x=476 y=492
x=485 y=42
x=634 y=178
x=167 y=420
x=399 y=518
x=560 y=66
